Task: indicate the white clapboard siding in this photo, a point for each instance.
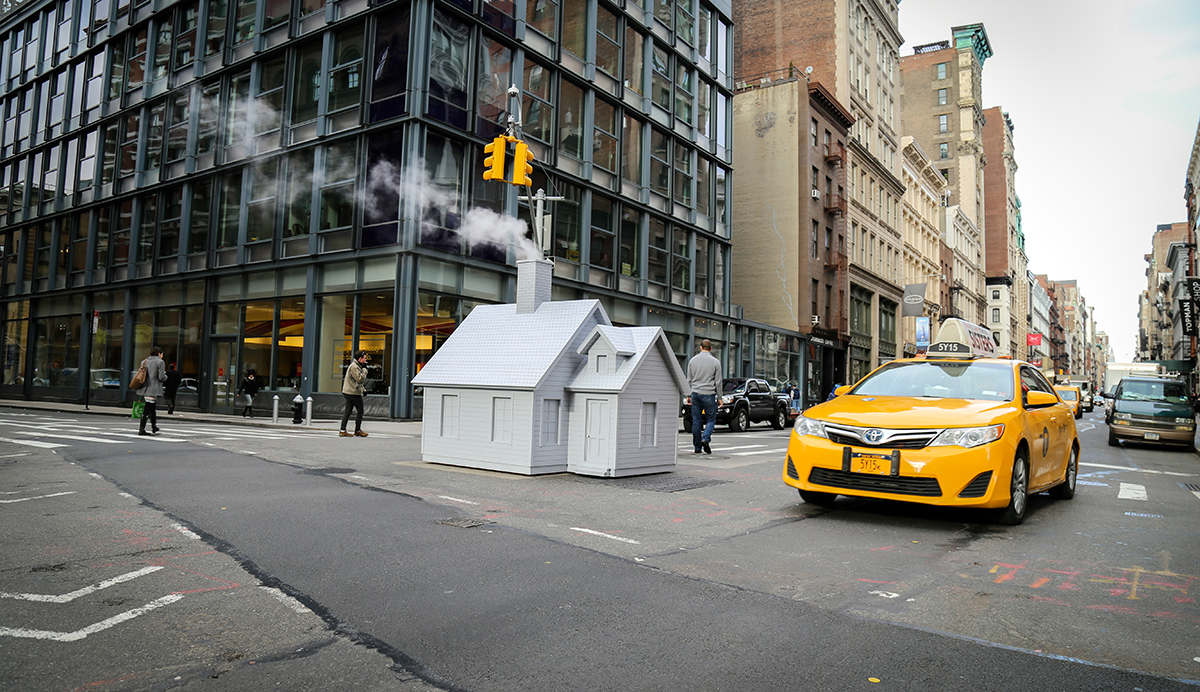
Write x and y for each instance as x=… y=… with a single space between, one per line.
x=652 y=383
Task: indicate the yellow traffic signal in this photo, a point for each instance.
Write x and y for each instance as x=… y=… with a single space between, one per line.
x=522 y=169
x=493 y=163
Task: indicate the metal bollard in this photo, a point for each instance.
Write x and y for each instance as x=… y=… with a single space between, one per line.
x=308 y=411
x=275 y=410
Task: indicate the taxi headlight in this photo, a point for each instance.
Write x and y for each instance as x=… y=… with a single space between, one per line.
x=968 y=437
x=1185 y=420
x=1123 y=416
x=809 y=426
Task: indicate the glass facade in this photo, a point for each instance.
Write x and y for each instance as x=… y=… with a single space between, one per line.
x=273 y=185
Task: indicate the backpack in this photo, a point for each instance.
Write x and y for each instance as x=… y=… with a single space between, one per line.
x=139 y=380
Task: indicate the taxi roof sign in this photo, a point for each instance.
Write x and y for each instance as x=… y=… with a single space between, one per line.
x=959 y=338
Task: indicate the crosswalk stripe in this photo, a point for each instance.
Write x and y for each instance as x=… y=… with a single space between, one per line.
x=81 y=438
x=33 y=443
x=760 y=451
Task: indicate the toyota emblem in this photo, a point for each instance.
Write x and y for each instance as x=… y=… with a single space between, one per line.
x=874 y=435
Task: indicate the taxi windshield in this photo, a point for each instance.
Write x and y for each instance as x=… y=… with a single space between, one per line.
x=942 y=380
x=1066 y=394
x=1169 y=391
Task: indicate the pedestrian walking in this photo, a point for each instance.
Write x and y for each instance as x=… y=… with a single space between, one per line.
x=796 y=397
x=248 y=389
x=352 y=390
x=704 y=380
x=171 y=387
x=152 y=389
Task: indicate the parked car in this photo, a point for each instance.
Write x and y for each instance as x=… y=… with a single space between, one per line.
x=106 y=378
x=746 y=400
x=189 y=384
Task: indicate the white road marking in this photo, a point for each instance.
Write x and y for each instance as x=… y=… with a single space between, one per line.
x=606 y=535
x=1132 y=491
x=727 y=449
x=19 y=454
x=80 y=438
x=39 y=497
x=67 y=597
x=761 y=451
x=90 y=629
x=126 y=495
x=291 y=603
x=885 y=594
x=33 y=443
x=1196 y=493
x=1131 y=468
x=186 y=531
x=455 y=499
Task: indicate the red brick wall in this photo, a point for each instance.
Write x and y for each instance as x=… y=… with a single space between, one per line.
x=771 y=34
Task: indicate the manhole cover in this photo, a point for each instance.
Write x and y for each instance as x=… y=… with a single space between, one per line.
x=1190 y=486
x=464 y=522
x=663 y=483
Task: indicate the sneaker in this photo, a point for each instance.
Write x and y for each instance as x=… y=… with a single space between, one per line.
x=156 y=431
x=360 y=433
x=143 y=432
x=707 y=449
x=343 y=433
x=698 y=450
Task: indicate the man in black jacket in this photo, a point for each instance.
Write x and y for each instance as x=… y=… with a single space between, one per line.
x=171 y=387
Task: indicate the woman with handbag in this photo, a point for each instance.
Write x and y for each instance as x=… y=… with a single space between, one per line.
x=152 y=388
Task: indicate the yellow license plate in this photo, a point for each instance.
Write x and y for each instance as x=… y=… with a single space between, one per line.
x=871 y=465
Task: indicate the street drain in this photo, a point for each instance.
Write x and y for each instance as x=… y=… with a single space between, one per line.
x=663 y=483
x=1190 y=486
x=464 y=522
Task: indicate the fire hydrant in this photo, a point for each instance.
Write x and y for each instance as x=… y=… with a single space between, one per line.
x=298 y=409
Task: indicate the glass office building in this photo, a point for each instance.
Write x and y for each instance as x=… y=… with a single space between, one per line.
x=270 y=185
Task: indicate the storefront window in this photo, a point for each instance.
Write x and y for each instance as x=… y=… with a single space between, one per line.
x=289 y=345
x=106 y=370
x=336 y=342
x=375 y=337
x=437 y=316
x=258 y=338
x=56 y=352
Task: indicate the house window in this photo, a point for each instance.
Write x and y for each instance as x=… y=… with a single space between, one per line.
x=550 y=409
x=942 y=97
x=502 y=419
x=995 y=315
x=995 y=295
x=449 y=426
x=649 y=421
x=944 y=150
x=943 y=123
x=941 y=70
x=601 y=363
x=812 y=130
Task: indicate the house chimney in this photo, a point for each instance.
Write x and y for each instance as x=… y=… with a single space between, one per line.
x=533 y=284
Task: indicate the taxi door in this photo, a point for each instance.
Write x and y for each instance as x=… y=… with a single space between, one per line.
x=1046 y=430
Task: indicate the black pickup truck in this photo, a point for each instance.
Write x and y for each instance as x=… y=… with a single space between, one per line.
x=746 y=400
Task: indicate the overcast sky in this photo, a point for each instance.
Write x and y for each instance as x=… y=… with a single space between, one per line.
x=1104 y=96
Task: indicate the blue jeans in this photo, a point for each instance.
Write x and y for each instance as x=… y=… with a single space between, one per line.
x=704 y=408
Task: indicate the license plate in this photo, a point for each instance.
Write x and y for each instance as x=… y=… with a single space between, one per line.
x=871 y=465
x=1151 y=436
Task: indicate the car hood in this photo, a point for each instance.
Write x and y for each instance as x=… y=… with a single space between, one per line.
x=906 y=412
x=1153 y=408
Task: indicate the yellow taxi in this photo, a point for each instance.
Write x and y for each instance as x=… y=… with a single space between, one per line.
x=1073 y=398
x=957 y=428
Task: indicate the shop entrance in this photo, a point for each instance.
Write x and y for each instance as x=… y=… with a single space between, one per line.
x=224 y=371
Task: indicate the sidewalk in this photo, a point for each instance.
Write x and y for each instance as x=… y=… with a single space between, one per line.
x=259 y=421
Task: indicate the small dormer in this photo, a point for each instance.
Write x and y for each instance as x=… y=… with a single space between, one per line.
x=607 y=350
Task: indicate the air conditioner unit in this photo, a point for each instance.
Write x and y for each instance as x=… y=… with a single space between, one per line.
x=816 y=320
x=816 y=194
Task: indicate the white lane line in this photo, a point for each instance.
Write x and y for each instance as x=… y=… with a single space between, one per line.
x=79 y=438
x=19 y=454
x=39 y=497
x=1130 y=468
x=455 y=499
x=728 y=449
x=606 y=535
x=186 y=531
x=33 y=443
x=761 y=451
x=67 y=597
x=90 y=629
x=291 y=603
x=1132 y=491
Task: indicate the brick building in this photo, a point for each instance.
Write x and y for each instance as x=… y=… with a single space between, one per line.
x=1006 y=266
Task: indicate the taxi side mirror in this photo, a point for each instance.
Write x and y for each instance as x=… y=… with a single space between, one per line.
x=838 y=391
x=1040 y=399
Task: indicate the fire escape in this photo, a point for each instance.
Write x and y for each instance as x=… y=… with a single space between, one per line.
x=837 y=264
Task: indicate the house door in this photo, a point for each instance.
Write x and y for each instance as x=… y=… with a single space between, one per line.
x=223 y=371
x=596 y=441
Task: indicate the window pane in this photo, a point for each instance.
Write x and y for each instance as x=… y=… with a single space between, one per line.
x=570 y=125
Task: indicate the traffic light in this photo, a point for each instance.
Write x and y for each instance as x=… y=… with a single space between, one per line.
x=493 y=162
x=522 y=169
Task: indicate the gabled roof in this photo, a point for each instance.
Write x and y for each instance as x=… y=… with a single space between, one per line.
x=639 y=341
x=496 y=348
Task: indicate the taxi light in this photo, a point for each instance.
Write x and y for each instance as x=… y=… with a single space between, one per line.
x=809 y=426
x=968 y=437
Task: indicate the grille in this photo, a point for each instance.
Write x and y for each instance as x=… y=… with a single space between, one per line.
x=1157 y=423
x=1186 y=486
x=978 y=486
x=896 y=485
x=791 y=470
x=892 y=439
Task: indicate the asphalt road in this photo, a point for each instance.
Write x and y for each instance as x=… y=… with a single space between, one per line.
x=577 y=583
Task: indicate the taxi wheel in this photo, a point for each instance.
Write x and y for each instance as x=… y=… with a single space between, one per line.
x=818 y=499
x=1066 y=489
x=1018 y=493
x=740 y=421
x=780 y=419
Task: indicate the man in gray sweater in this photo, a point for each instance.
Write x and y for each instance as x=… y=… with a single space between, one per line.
x=704 y=379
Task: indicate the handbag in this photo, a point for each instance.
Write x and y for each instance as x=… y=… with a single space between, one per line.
x=139 y=407
x=139 y=380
